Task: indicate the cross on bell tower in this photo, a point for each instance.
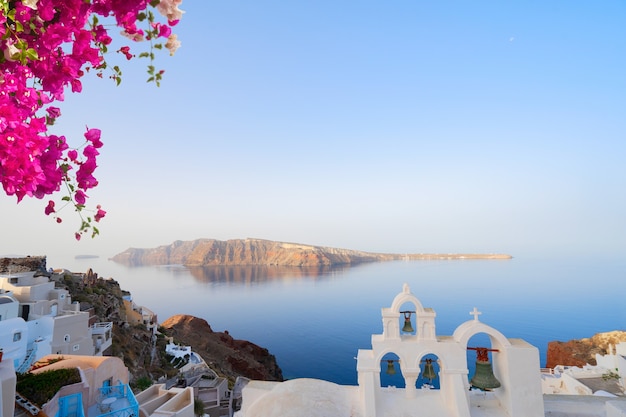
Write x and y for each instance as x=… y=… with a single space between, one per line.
x=475 y=313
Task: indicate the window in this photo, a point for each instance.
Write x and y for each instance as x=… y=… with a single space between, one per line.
x=13 y=280
x=66 y=338
x=75 y=348
x=17 y=336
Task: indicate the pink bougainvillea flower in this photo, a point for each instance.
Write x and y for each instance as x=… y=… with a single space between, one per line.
x=49 y=208
x=172 y=44
x=126 y=51
x=100 y=213
x=53 y=112
x=93 y=136
x=80 y=197
x=169 y=9
x=48 y=46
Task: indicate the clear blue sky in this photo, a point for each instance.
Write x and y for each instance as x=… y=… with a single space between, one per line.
x=406 y=126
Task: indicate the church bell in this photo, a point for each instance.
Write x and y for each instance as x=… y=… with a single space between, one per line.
x=429 y=370
x=407 y=328
x=391 y=370
x=484 y=378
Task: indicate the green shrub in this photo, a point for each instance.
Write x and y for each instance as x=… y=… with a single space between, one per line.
x=40 y=388
x=143 y=383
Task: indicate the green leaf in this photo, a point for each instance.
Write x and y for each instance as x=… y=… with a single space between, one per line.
x=154 y=3
x=32 y=54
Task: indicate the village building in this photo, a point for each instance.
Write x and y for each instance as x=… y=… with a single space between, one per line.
x=37 y=319
x=136 y=314
x=101 y=390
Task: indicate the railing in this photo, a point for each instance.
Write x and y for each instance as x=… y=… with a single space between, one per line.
x=102 y=328
x=121 y=391
x=28 y=360
x=71 y=405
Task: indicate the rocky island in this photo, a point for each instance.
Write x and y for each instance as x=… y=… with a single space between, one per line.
x=246 y=252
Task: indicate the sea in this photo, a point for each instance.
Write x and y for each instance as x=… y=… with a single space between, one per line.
x=314 y=320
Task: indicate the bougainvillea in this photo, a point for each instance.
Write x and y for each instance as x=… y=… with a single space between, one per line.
x=48 y=46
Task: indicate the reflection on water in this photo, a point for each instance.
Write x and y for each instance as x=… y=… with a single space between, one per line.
x=314 y=320
x=260 y=274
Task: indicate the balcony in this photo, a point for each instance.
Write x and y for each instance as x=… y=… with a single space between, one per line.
x=116 y=401
x=102 y=335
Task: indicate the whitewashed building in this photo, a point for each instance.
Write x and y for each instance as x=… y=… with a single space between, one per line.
x=37 y=319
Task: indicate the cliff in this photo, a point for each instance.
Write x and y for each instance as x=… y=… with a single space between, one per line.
x=146 y=358
x=23 y=264
x=583 y=351
x=224 y=354
x=207 y=252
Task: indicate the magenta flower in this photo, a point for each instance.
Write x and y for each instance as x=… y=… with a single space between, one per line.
x=93 y=136
x=53 y=112
x=80 y=197
x=126 y=51
x=48 y=46
x=49 y=208
x=99 y=214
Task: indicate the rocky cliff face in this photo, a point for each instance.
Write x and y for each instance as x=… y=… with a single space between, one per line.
x=135 y=346
x=244 y=252
x=29 y=263
x=583 y=351
x=225 y=355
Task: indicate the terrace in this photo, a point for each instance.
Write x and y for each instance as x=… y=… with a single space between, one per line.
x=116 y=401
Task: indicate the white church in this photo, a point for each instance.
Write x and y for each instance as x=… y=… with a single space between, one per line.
x=506 y=383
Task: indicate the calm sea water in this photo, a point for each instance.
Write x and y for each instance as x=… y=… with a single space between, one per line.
x=315 y=320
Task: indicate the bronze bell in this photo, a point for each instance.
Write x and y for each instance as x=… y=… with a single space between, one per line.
x=407 y=328
x=429 y=370
x=484 y=378
x=391 y=370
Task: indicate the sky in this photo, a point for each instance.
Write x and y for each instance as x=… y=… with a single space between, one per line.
x=405 y=126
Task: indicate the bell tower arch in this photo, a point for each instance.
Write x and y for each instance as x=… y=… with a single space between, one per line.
x=517 y=364
x=424 y=317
